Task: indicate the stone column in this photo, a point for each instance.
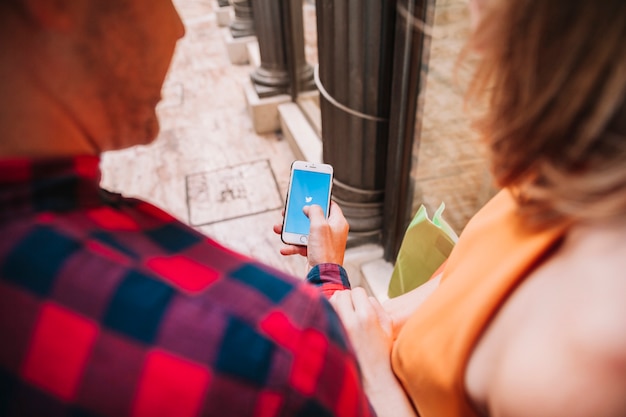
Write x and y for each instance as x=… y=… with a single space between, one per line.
x=279 y=29
x=355 y=47
x=243 y=23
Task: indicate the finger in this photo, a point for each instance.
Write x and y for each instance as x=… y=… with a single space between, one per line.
x=363 y=307
x=342 y=303
x=315 y=215
x=383 y=316
x=293 y=250
x=313 y=211
x=360 y=299
x=278 y=228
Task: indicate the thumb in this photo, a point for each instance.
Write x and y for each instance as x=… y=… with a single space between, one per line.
x=314 y=213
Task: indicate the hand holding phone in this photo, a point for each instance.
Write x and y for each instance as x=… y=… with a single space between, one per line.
x=309 y=184
x=327 y=237
x=323 y=225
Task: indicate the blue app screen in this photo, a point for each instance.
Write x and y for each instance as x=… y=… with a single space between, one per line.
x=308 y=188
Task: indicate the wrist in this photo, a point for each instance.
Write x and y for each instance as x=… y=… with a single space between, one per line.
x=388 y=397
x=329 y=278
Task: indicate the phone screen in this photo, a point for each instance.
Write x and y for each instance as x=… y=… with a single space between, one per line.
x=307 y=188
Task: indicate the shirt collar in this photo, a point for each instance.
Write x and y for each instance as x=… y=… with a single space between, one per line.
x=48 y=184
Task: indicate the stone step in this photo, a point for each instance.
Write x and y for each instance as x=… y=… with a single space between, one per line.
x=264 y=111
x=254 y=55
x=309 y=103
x=376 y=275
x=366 y=268
x=237 y=48
x=224 y=15
x=304 y=142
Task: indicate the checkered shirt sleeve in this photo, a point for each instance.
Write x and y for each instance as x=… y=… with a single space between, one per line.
x=329 y=278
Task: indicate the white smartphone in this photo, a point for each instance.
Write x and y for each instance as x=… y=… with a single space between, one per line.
x=309 y=183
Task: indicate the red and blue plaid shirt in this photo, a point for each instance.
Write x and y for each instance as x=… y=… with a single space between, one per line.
x=111 y=307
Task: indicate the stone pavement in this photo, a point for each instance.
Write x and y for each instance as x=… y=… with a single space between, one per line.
x=208 y=167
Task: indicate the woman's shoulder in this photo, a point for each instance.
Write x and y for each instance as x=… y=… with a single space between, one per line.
x=560 y=338
x=592 y=260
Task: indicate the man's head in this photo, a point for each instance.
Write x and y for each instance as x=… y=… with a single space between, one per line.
x=102 y=63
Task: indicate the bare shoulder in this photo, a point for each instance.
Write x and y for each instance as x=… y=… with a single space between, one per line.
x=595 y=259
x=593 y=263
x=560 y=340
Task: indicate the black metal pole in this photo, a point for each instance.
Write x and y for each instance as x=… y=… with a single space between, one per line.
x=410 y=55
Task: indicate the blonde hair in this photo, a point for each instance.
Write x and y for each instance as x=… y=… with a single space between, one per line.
x=553 y=73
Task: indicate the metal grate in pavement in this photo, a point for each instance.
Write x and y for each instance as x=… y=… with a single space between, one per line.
x=232 y=192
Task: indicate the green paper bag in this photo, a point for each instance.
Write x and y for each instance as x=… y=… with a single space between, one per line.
x=425 y=246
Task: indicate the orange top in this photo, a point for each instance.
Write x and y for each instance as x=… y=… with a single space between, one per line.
x=493 y=255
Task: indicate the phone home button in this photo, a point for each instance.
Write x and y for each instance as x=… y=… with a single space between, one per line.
x=304 y=239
